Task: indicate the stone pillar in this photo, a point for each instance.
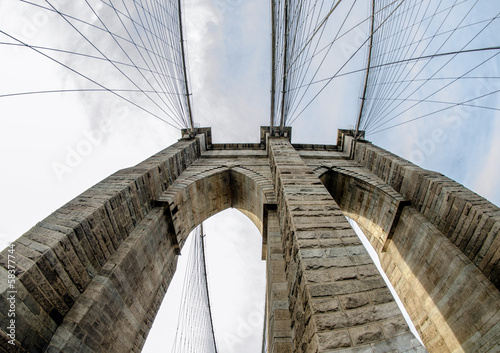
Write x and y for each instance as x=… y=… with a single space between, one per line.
x=279 y=330
x=83 y=261
x=338 y=300
x=454 y=307
x=117 y=309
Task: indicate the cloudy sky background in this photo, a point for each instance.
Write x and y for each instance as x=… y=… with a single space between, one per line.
x=229 y=61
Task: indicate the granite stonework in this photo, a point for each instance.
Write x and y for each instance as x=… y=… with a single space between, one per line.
x=91 y=276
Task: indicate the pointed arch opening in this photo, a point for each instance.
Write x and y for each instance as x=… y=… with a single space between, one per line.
x=204 y=192
x=237 y=283
x=230 y=201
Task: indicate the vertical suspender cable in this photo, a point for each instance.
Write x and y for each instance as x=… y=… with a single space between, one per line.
x=367 y=71
x=206 y=285
x=285 y=53
x=264 y=330
x=273 y=63
x=184 y=69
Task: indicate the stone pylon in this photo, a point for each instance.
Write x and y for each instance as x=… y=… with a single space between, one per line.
x=91 y=276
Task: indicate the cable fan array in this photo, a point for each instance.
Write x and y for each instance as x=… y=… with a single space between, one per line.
x=424 y=58
x=138 y=43
x=428 y=57
x=307 y=38
x=297 y=27
x=195 y=332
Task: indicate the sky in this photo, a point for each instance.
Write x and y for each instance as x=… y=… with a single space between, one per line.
x=55 y=146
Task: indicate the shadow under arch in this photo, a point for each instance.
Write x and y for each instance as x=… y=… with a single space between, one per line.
x=438 y=285
x=373 y=205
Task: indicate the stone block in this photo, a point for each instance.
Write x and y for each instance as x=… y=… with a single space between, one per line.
x=324 y=305
x=334 y=340
x=366 y=334
x=354 y=301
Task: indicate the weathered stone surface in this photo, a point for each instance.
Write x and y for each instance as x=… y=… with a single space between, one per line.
x=279 y=323
x=334 y=340
x=366 y=334
x=324 y=305
x=354 y=301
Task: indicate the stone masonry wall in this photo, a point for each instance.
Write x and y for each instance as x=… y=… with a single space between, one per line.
x=279 y=323
x=366 y=199
x=117 y=309
x=454 y=307
x=219 y=180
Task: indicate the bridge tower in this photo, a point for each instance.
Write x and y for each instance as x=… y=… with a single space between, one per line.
x=91 y=276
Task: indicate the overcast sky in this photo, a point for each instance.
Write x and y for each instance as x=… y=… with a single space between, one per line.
x=54 y=146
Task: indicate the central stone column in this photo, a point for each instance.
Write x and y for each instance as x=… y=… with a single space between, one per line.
x=337 y=299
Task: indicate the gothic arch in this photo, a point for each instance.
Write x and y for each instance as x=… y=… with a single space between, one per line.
x=147 y=261
x=365 y=199
x=427 y=270
x=201 y=192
